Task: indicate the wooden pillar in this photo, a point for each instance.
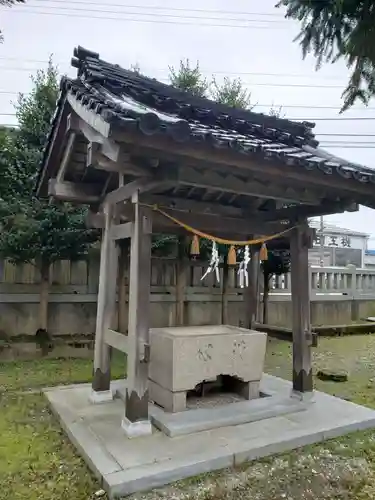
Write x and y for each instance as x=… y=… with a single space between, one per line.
x=122 y=306
x=136 y=422
x=224 y=293
x=302 y=339
x=105 y=310
x=251 y=293
x=180 y=281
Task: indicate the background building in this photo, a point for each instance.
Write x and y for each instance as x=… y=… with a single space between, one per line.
x=341 y=246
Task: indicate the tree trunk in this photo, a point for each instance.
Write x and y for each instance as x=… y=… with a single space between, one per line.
x=44 y=293
x=266 y=289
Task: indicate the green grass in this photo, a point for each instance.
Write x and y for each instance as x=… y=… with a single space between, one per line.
x=37 y=462
x=354 y=354
x=29 y=375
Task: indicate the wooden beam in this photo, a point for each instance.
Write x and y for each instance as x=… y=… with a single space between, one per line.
x=224 y=293
x=247 y=186
x=122 y=304
x=53 y=150
x=326 y=208
x=121 y=231
x=181 y=274
x=186 y=205
x=120 y=341
x=235 y=228
x=106 y=305
x=95 y=135
x=217 y=223
x=116 y=340
x=199 y=155
x=251 y=294
x=138 y=186
x=66 y=156
x=95 y=220
x=136 y=406
x=73 y=192
x=123 y=165
x=301 y=323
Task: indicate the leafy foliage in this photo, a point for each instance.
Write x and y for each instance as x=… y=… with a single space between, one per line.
x=334 y=29
x=44 y=232
x=232 y=93
x=34 y=229
x=189 y=78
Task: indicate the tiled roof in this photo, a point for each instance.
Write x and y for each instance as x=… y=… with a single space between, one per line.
x=136 y=103
x=332 y=228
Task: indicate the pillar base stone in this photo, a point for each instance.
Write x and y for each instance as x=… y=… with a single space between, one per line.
x=97 y=397
x=305 y=397
x=136 y=429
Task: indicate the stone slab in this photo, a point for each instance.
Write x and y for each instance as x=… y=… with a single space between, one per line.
x=188 y=422
x=125 y=465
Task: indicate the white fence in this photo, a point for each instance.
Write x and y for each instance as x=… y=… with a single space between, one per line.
x=330 y=283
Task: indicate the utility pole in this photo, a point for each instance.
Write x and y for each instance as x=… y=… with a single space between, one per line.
x=321 y=241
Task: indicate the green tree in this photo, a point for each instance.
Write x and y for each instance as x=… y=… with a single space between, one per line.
x=189 y=78
x=34 y=230
x=232 y=93
x=8 y=3
x=339 y=29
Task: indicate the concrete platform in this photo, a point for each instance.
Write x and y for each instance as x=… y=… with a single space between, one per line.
x=127 y=465
x=240 y=411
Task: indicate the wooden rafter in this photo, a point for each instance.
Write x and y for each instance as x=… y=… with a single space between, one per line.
x=186 y=205
x=209 y=179
x=198 y=156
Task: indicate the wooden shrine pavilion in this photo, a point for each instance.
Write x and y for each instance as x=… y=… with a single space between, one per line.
x=143 y=154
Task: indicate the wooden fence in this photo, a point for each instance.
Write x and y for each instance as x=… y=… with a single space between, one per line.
x=178 y=295
x=82 y=277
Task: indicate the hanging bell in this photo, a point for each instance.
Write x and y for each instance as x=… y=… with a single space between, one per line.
x=232 y=258
x=263 y=254
x=194 y=249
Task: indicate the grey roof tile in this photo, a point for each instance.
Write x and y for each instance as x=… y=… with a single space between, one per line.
x=129 y=100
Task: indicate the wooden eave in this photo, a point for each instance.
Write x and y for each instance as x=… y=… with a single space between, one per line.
x=215 y=189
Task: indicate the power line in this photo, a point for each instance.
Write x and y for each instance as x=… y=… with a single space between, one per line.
x=158 y=7
x=172 y=16
x=206 y=71
x=152 y=21
x=17 y=68
x=346 y=135
x=349 y=143
x=272 y=84
x=343 y=119
x=301 y=85
x=346 y=146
